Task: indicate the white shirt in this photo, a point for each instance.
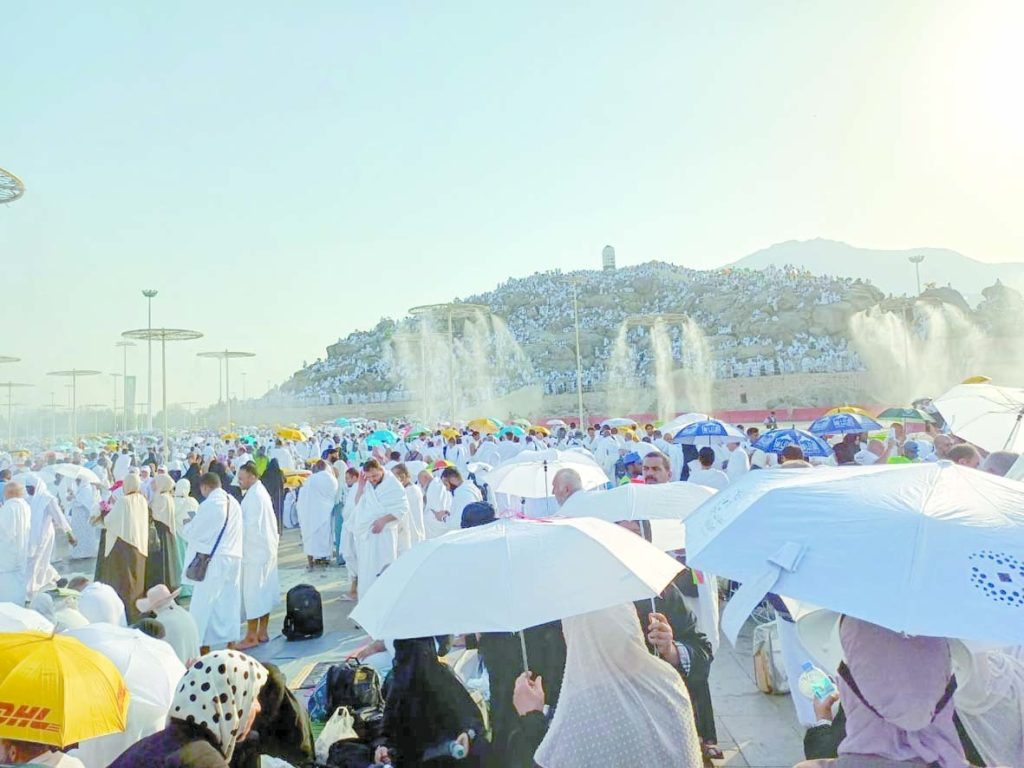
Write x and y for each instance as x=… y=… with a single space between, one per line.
x=464 y=495
x=713 y=478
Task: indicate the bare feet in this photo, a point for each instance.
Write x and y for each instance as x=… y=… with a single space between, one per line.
x=247 y=643
x=265 y=639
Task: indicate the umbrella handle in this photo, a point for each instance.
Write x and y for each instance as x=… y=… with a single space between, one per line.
x=654 y=610
x=522 y=647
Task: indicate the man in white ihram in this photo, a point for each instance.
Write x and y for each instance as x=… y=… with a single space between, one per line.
x=381 y=506
x=316 y=501
x=463 y=493
x=437 y=505
x=15 y=530
x=260 y=586
x=216 y=600
x=47 y=516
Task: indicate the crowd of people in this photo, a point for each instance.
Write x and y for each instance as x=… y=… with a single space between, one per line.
x=367 y=367
x=186 y=547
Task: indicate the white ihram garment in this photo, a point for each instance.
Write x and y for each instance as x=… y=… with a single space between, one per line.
x=376 y=551
x=438 y=499
x=316 y=500
x=15 y=531
x=47 y=516
x=415 y=527
x=217 y=600
x=260 y=586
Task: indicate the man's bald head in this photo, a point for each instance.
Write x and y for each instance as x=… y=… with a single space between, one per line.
x=13 y=490
x=564 y=484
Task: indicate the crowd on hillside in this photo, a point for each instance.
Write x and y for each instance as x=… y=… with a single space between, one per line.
x=538 y=311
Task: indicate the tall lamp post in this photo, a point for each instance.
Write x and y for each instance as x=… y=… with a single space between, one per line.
x=124 y=344
x=916 y=260
x=163 y=335
x=227 y=355
x=115 y=377
x=74 y=374
x=149 y=293
x=11 y=386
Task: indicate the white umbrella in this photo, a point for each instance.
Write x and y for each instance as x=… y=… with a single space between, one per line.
x=986 y=415
x=556 y=423
x=76 y=471
x=415 y=467
x=618 y=422
x=923 y=549
x=14 y=618
x=666 y=505
x=149 y=666
x=529 y=474
x=513 y=574
x=670 y=428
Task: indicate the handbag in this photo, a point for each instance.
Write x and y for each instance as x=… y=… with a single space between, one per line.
x=338 y=728
x=196 y=570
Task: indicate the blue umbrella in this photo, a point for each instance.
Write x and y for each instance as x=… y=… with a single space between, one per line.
x=842 y=423
x=778 y=440
x=382 y=437
x=341 y=421
x=513 y=429
x=710 y=432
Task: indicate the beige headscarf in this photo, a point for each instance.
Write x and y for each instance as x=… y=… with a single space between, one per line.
x=128 y=520
x=162 y=504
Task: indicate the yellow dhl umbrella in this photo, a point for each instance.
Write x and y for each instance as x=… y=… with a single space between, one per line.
x=54 y=690
x=486 y=426
x=287 y=433
x=848 y=409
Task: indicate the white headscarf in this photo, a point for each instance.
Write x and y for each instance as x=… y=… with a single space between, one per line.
x=128 y=519
x=219 y=692
x=162 y=504
x=619 y=704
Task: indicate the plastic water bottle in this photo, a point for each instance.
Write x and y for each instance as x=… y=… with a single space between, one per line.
x=815 y=684
x=452 y=749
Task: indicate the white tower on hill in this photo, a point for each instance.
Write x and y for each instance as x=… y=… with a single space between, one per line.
x=608 y=258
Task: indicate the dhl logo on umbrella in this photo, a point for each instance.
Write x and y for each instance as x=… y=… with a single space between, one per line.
x=24 y=716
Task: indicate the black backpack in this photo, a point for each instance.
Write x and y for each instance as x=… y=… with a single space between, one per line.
x=304 y=613
x=353 y=685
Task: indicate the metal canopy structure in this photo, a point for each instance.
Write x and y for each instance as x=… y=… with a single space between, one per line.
x=163 y=335
x=11 y=187
x=74 y=374
x=11 y=386
x=450 y=313
x=227 y=355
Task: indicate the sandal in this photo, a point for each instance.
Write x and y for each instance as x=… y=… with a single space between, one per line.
x=711 y=751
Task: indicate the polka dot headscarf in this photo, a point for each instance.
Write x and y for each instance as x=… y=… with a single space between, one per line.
x=219 y=692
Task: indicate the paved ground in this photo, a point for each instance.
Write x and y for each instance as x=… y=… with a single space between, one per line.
x=755 y=730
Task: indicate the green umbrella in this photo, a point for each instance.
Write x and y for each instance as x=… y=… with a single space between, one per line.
x=906 y=414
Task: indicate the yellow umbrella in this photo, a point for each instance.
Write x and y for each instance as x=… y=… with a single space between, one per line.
x=287 y=433
x=229 y=436
x=486 y=426
x=976 y=380
x=449 y=433
x=67 y=692
x=541 y=430
x=848 y=409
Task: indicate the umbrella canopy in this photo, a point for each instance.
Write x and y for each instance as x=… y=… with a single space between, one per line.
x=288 y=433
x=843 y=423
x=418 y=429
x=15 y=618
x=486 y=426
x=923 y=549
x=777 y=440
x=525 y=423
x=382 y=437
x=229 y=436
x=76 y=471
x=542 y=431
x=618 y=422
x=905 y=414
x=683 y=420
x=708 y=432
x=666 y=505
x=449 y=433
x=513 y=429
x=847 y=409
x=556 y=423
x=75 y=692
x=543 y=570
x=150 y=668
x=529 y=474
x=341 y=421
x=986 y=415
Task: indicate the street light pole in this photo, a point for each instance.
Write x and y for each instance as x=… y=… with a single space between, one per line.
x=149 y=293
x=916 y=260
x=124 y=373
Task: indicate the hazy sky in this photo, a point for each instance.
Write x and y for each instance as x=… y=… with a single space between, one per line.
x=285 y=173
